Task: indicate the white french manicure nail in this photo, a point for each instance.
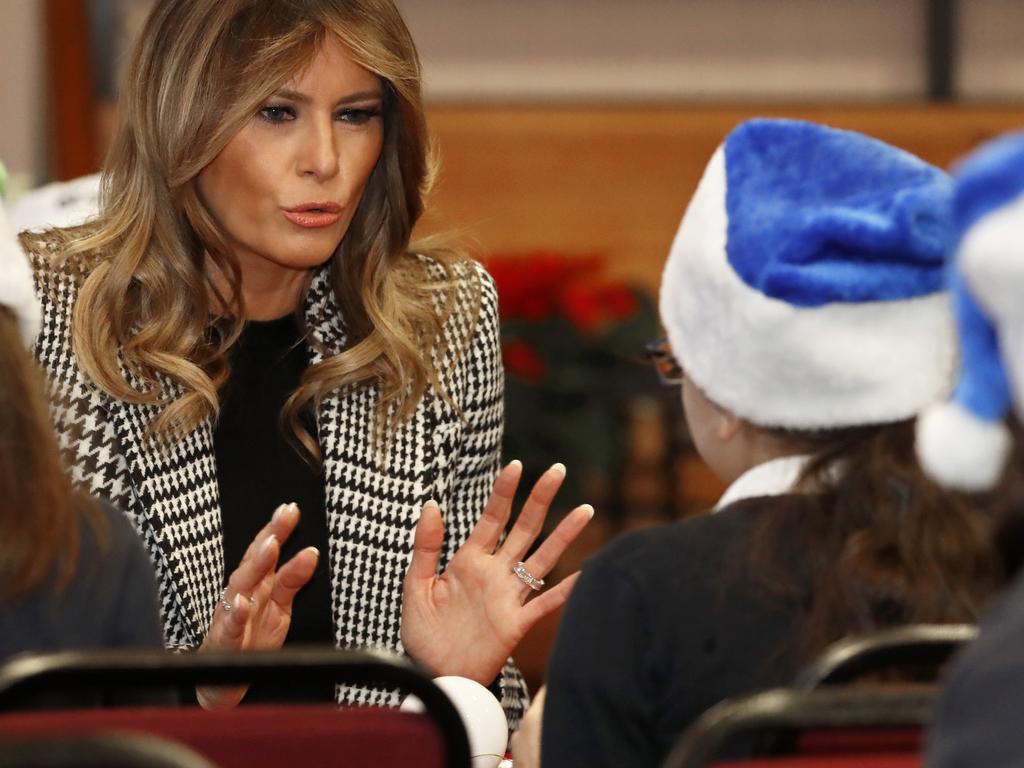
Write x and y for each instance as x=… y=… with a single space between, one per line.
x=271 y=540
x=515 y=463
x=278 y=512
x=589 y=510
x=559 y=467
x=315 y=551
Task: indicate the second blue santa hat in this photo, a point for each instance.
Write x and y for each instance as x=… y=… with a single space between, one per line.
x=964 y=442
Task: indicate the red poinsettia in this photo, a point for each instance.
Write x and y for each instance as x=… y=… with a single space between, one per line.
x=538 y=285
x=521 y=359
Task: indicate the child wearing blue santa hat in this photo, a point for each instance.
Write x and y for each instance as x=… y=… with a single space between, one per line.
x=807 y=326
x=965 y=443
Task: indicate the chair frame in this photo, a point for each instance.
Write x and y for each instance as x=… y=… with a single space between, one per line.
x=850 y=658
x=113 y=668
x=788 y=708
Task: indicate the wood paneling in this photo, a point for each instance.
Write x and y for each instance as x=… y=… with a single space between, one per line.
x=72 y=114
x=615 y=180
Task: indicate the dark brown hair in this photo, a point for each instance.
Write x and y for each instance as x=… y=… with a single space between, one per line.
x=39 y=509
x=881 y=544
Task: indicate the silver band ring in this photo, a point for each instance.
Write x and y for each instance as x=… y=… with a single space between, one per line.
x=519 y=569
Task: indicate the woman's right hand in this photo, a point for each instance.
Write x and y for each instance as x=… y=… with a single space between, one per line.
x=260 y=596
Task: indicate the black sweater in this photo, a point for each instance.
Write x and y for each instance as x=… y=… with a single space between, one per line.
x=258 y=469
x=662 y=624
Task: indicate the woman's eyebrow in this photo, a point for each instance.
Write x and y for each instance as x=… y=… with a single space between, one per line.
x=351 y=98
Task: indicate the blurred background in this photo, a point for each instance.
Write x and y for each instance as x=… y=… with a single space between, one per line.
x=572 y=133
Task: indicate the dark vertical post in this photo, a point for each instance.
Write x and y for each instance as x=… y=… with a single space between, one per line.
x=72 y=115
x=941 y=48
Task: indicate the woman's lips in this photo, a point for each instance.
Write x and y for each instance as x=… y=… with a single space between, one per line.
x=312 y=218
x=314 y=215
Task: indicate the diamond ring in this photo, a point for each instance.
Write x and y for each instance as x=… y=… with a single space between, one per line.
x=226 y=604
x=519 y=569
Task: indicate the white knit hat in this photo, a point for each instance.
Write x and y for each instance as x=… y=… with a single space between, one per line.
x=804 y=288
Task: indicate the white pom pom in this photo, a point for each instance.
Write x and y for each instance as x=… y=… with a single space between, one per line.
x=481 y=713
x=959 y=450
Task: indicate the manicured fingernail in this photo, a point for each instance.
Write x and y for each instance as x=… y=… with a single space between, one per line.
x=293 y=507
x=236 y=602
x=514 y=463
x=432 y=503
x=588 y=509
x=315 y=551
x=558 y=467
x=278 y=512
x=268 y=544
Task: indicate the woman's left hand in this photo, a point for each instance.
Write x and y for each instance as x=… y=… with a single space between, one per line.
x=468 y=620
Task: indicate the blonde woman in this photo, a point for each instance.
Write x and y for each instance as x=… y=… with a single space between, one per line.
x=245 y=324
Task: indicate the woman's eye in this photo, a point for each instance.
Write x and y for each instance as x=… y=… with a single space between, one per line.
x=277 y=114
x=357 y=116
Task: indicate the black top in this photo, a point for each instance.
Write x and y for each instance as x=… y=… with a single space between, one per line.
x=662 y=624
x=111 y=600
x=258 y=469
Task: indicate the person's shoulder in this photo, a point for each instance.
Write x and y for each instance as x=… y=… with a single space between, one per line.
x=47 y=251
x=464 y=291
x=695 y=544
x=454 y=269
x=107 y=537
x=695 y=532
x=122 y=534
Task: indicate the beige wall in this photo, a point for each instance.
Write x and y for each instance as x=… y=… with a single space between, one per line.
x=992 y=57
x=22 y=92
x=669 y=49
x=615 y=51
x=609 y=50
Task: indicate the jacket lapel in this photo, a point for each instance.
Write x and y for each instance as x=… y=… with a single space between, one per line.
x=177 y=501
x=372 y=500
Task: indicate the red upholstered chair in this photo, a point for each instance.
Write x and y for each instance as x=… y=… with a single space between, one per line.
x=921 y=649
x=283 y=735
x=869 y=728
x=98 y=751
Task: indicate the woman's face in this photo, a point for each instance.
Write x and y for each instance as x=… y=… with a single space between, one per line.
x=286 y=186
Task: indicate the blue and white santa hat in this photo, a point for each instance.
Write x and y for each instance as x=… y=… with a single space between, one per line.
x=16 y=287
x=804 y=288
x=964 y=442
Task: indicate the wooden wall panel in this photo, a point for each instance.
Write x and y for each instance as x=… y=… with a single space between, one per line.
x=72 y=114
x=615 y=180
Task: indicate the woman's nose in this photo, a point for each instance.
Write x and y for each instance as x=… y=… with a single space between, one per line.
x=319 y=153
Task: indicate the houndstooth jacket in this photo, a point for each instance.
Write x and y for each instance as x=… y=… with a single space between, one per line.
x=170 y=493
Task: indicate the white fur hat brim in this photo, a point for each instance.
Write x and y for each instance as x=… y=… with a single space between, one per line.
x=776 y=364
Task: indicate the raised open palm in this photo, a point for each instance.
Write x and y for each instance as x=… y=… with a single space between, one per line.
x=256 y=609
x=467 y=620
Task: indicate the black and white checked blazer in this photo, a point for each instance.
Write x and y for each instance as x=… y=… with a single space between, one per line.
x=170 y=493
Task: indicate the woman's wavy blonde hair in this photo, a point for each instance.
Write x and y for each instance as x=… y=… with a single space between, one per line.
x=147 y=310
